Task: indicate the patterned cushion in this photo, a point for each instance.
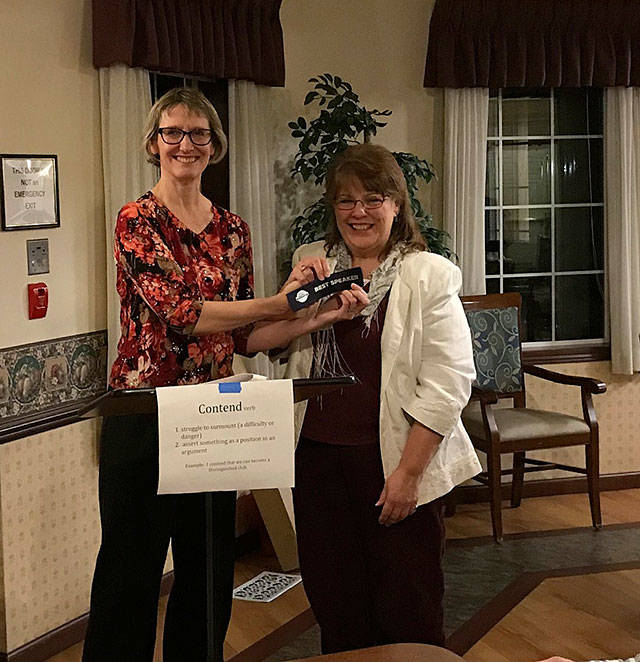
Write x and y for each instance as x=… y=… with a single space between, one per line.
x=496 y=349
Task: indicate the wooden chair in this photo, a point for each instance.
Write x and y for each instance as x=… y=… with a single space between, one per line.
x=494 y=320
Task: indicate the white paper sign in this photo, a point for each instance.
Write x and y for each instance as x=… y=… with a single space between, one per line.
x=29 y=192
x=225 y=436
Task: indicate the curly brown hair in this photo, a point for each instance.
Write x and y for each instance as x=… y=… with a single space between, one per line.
x=377 y=170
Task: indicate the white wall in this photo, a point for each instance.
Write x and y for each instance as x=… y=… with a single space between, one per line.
x=380 y=47
x=49 y=104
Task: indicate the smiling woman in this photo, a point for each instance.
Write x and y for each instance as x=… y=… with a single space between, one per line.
x=184 y=147
x=364 y=219
x=185 y=281
x=371 y=474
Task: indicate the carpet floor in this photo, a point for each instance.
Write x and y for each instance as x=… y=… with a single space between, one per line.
x=484 y=580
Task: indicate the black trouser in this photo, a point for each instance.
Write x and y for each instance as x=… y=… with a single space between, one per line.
x=137 y=525
x=367 y=584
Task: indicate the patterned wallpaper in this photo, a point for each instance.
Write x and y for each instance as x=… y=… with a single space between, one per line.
x=50 y=529
x=48 y=503
x=42 y=375
x=50 y=525
x=617 y=412
x=3 y=612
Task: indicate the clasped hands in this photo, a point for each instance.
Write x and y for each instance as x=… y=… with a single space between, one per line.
x=344 y=305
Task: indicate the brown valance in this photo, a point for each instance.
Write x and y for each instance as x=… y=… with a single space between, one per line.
x=239 y=39
x=534 y=43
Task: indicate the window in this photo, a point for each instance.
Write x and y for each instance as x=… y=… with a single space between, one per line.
x=544 y=216
x=215 y=179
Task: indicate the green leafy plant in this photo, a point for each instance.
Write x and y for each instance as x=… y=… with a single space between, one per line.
x=344 y=121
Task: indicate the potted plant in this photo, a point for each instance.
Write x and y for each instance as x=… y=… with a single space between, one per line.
x=344 y=121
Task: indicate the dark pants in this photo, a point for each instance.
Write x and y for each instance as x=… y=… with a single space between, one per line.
x=367 y=584
x=137 y=525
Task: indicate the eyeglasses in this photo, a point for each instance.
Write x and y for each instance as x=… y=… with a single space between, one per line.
x=174 y=136
x=369 y=202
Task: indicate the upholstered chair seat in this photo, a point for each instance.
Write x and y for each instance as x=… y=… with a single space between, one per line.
x=525 y=424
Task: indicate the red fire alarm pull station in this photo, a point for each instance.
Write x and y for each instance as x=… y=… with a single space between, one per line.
x=38 y=300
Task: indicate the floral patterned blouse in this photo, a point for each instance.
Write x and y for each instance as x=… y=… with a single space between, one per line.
x=165 y=272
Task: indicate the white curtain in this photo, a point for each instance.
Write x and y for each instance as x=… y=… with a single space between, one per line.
x=125 y=100
x=465 y=156
x=251 y=185
x=252 y=149
x=622 y=183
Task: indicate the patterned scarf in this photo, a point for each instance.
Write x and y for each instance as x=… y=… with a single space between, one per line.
x=327 y=359
x=381 y=279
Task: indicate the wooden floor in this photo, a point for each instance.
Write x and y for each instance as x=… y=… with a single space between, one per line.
x=545 y=513
x=256 y=630
x=594 y=616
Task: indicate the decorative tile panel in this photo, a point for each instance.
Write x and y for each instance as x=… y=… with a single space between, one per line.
x=46 y=374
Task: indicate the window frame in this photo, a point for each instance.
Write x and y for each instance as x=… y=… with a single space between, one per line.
x=549 y=351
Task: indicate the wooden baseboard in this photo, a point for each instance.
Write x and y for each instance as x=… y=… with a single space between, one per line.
x=49 y=644
x=71 y=633
x=64 y=637
x=548 y=487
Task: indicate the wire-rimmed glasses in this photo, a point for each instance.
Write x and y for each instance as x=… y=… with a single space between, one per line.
x=369 y=202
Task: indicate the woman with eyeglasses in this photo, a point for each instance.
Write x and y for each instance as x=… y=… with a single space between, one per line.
x=185 y=281
x=373 y=462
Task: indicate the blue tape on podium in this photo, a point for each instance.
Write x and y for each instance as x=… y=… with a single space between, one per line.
x=230 y=387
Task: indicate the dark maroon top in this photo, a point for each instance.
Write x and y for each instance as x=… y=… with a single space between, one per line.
x=350 y=416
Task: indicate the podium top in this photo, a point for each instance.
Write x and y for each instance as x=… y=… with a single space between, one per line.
x=131 y=401
x=143 y=400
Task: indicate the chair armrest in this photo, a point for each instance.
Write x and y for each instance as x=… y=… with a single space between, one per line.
x=486 y=397
x=591 y=385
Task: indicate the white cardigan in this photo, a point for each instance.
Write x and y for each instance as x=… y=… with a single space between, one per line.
x=427 y=368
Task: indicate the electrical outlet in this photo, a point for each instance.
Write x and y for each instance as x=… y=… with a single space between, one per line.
x=37 y=256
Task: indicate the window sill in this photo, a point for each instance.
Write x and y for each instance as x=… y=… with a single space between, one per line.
x=568 y=354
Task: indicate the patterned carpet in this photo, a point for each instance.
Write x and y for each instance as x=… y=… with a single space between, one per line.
x=485 y=580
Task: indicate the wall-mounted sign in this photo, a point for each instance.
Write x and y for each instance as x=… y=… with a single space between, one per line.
x=29 y=191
